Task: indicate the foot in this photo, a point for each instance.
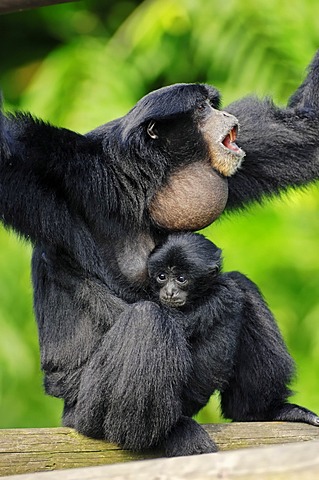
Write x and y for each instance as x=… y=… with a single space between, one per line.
x=290 y=412
x=188 y=438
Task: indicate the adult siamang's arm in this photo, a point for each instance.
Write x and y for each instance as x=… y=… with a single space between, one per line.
x=282 y=145
x=50 y=179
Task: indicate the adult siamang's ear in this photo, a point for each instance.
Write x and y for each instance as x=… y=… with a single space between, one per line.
x=151 y=130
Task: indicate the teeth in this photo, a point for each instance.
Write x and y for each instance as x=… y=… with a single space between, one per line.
x=230 y=142
x=232 y=135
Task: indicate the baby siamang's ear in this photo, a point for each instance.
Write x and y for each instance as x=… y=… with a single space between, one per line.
x=216 y=262
x=214 y=268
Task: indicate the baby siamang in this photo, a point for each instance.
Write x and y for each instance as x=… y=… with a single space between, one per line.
x=233 y=339
x=183 y=273
x=94 y=206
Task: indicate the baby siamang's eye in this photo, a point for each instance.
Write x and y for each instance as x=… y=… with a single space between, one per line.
x=181 y=279
x=161 y=277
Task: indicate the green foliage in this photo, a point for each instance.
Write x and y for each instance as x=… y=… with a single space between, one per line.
x=21 y=394
x=84 y=64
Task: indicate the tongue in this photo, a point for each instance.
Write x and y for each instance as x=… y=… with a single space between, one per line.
x=230 y=145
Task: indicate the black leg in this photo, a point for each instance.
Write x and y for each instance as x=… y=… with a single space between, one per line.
x=131 y=391
x=188 y=438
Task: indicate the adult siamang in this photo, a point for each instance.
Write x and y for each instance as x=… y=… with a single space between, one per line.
x=232 y=338
x=94 y=206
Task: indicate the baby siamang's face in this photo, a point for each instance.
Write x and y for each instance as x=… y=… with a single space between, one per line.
x=184 y=269
x=172 y=287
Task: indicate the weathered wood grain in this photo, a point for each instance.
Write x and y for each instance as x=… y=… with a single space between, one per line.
x=282 y=462
x=45 y=449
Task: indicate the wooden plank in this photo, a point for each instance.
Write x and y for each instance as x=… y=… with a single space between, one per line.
x=45 y=449
x=282 y=462
x=231 y=436
x=33 y=450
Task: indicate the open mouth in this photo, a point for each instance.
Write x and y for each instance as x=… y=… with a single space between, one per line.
x=229 y=141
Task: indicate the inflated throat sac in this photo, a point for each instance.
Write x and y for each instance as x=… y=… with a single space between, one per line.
x=193 y=198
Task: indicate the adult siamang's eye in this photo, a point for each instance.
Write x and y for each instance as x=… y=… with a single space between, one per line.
x=161 y=277
x=202 y=106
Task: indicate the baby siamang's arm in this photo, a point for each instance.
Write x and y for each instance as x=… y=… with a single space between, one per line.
x=282 y=145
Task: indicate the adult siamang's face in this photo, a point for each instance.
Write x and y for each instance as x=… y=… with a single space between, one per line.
x=184 y=120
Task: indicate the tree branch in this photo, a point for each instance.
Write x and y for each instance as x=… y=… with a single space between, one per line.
x=8 y=6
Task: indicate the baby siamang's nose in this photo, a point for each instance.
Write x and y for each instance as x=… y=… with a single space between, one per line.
x=171 y=292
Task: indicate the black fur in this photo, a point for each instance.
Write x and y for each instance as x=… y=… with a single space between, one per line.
x=83 y=201
x=232 y=337
x=274 y=139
